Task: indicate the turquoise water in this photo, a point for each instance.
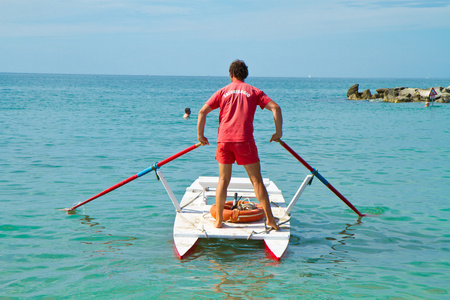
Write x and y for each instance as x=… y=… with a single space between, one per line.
x=65 y=138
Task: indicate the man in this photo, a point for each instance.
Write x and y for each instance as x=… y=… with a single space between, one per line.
x=235 y=142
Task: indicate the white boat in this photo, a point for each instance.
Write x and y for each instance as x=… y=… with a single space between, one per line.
x=194 y=221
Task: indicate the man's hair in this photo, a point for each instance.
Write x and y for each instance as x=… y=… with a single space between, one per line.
x=239 y=69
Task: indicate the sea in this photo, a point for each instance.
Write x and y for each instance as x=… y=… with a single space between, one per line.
x=65 y=138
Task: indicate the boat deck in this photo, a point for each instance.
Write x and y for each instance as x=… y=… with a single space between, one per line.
x=194 y=220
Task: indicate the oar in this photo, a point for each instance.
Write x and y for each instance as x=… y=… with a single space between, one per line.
x=142 y=173
x=321 y=178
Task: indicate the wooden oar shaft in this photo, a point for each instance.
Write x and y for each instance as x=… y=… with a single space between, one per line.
x=321 y=178
x=154 y=167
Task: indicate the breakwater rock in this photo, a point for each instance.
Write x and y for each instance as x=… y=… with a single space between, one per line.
x=400 y=94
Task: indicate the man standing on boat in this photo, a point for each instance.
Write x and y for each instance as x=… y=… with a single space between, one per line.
x=235 y=142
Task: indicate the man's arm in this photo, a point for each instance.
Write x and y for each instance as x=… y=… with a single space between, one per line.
x=278 y=120
x=206 y=109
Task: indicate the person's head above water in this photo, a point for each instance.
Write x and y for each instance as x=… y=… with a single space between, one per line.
x=187 y=112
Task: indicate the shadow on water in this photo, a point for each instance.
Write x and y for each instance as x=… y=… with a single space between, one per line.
x=237 y=269
x=229 y=251
x=245 y=283
x=96 y=235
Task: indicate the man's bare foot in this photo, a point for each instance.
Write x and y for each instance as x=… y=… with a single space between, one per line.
x=218 y=223
x=273 y=224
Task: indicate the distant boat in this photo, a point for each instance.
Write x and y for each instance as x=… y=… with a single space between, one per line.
x=309 y=76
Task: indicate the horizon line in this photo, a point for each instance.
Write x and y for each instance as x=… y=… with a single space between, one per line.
x=220 y=76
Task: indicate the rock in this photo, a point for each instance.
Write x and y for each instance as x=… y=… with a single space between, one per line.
x=400 y=94
x=399 y=89
x=382 y=91
x=416 y=97
x=445 y=98
x=366 y=94
x=407 y=91
x=390 y=95
x=377 y=96
x=423 y=94
x=403 y=98
x=352 y=90
x=355 y=96
x=405 y=95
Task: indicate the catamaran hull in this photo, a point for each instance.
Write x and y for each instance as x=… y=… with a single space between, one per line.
x=194 y=221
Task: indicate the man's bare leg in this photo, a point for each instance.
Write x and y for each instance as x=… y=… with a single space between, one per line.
x=221 y=192
x=254 y=173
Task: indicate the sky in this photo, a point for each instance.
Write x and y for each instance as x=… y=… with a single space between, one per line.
x=285 y=38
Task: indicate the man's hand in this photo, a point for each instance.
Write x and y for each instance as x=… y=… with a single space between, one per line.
x=202 y=139
x=276 y=137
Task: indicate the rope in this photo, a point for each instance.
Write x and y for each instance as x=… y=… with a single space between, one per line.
x=191 y=200
x=266 y=229
x=246 y=206
x=193 y=225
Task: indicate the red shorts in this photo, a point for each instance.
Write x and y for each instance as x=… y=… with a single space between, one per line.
x=244 y=153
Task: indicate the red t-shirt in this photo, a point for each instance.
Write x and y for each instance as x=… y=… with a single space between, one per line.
x=237 y=102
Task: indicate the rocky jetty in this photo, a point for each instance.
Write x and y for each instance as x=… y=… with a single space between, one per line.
x=400 y=94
